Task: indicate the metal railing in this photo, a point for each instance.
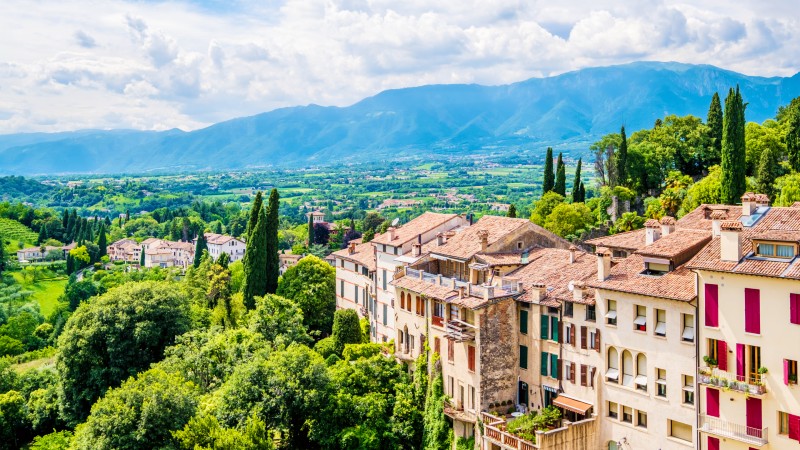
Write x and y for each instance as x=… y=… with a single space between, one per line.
x=720 y=427
x=752 y=384
x=475 y=290
x=494 y=429
x=459 y=330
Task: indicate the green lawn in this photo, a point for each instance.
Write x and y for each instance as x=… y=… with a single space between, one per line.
x=45 y=292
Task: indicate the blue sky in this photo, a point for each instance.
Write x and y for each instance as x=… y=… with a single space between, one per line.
x=149 y=64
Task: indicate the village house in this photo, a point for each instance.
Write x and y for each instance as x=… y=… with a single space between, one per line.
x=127 y=250
x=355 y=275
x=287 y=259
x=35 y=254
x=162 y=253
x=219 y=243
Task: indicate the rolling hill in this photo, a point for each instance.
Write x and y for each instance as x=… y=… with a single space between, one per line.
x=567 y=111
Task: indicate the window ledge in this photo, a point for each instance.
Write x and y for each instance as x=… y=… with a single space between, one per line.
x=752 y=334
x=681 y=441
x=687 y=342
x=658 y=336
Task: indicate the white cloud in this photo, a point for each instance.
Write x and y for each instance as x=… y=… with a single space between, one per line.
x=172 y=63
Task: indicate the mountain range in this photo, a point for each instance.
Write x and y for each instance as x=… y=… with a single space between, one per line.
x=566 y=111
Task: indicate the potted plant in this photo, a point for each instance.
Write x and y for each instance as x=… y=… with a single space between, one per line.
x=762 y=370
x=793 y=378
x=710 y=361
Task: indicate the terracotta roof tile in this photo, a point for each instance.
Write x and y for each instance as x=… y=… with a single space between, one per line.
x=551 y=267
x=422 y=224
x=364 y=255
x=627 y=276
x=678 y=246
x=630 y=240
x=500 y=259
x=700 y=218
x=467 y=242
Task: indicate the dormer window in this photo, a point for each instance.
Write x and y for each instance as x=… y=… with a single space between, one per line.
x=775 y=249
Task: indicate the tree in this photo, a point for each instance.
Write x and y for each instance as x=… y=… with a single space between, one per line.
x=793 y=138
x=346 y=329
x=200 y=249
x=223 y=260
x=787 y=189
x=372 y=221
x=102 y=242
x=707 y=190
x=113 y=337
x=204 y=432
x=13 y=421
x=560 y=186
x=286 y=391
x=768 y=170
x=576 y=184
x=311 y=235
x=621 y=159
x=279 y=320
x=311 y=284
x=512 y=211
x=436 y=430
x=80 y=255
x=733 y=182
x=272 y=263
x=321 y=234
x=255 y=211
x=549 y=174
x=57 y=440
x=714 y=123
x=140 y=414
x=2 y=254
x=78 y=292
x=255 y=263
x=569 y=219
x=544 y=206
x=141 y=258
x=604 y=158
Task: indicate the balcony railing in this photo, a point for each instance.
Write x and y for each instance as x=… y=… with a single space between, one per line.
x=460 y=331
x=438 y=321
x=475 y=290
x=743 y=433
x=752 y=385
x=495 y=430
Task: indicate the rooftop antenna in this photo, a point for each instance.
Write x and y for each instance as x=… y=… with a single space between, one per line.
x=395 y=221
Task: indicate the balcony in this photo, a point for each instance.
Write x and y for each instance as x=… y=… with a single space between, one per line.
x=455 y=410
x=581 y=434
x=742 y=433
x=437 y=321
x=507 y=286
x=460 y=331
x=726 y=380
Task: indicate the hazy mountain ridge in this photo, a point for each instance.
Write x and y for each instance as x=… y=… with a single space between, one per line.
x=572 y=108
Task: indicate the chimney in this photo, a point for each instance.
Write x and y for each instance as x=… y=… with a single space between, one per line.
x=453 y=283
x=572 y=249
x=603 y=263
x=440 y=239
x=730 y=244
x=538 y=291
x=421 y=274
x=748 y=203
x=439 y=279
x=391 y=231
x=652 y=231
x=667 y=225
x=762 y=200
x=352 y=248
x=577 y=290
x=484 y=237
x=488 y=292
x=462 y=292
x=716 y=222
x=416 y=250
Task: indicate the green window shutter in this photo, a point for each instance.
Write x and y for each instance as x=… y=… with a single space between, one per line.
x=523 y=357
x=554 y=328
x=554 y=366
x=523 y=321
x=544 y=363
x=545 y=327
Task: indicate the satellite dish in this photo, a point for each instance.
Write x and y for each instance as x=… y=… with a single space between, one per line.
x=571 y=286
x=395 y=221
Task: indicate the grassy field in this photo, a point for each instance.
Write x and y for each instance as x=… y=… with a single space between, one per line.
x=15 y=232
x=45 y=292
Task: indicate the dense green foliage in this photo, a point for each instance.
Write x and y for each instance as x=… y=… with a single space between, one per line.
x=255 y=262
x=733 y=183
x=311 y=283
x=560 y=186
x=271 y=243
x=549 y=179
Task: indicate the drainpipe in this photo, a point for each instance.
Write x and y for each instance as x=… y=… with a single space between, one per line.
x=697 y=395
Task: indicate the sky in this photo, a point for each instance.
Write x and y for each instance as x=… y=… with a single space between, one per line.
x=156 y=65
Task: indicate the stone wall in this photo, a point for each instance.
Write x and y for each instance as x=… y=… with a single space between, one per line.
x=498 y=353
x=574 y=436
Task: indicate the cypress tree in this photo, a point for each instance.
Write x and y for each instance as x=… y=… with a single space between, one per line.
x=141 y=258
x=107 y=222
x=768 y=169
x=70 y=264
x=255 y=210
x=70 y=229
x=42 y=235
x=733 y=181
x=714 y=123
x=582 y=192
x=560 y=186
x=271 y=244
x=65 y=219
x=224 y=260
x=311 y=240
x=255 y=263
x=101 y=241
x=793 y=139
x=512 y=211
x=621 y=159
x=200 y=247
x=549 y=174
x=576 y=184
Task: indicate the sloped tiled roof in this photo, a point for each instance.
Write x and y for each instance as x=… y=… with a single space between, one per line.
x=422 y=224
x=678 y=246
x=551 y=267
x=626 y=276
x=364 y=255
x=629 y=240
x=467 y=242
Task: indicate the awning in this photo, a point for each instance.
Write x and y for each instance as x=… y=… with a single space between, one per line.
x=640 y=320
x=688 y=334
x=611 y=314
x=661 y=328
x=640 y=380
x=612 y=374
x=570 y=404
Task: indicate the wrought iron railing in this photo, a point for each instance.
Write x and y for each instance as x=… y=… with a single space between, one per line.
x=720 y=427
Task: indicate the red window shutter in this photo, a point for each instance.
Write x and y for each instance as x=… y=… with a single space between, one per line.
x=437 y=345
x=572 y=373
x=712 y=402
x=402 y=300
x=450 y=350
x=722 y=355
x=591 y=376
x=560 y=332
x=560 y=366
x=713 y=443
x=597 y=341
x=712 y=305
x=583 y=337
x=752 y=310
x=572 y=335
x=740 y=376
x=794 y=308
x=794 y=427
x=786 y=372
x=753 y=416
x=471 y=358
x=583 y=375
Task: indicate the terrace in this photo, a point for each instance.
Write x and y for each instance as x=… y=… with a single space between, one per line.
x=497 y=435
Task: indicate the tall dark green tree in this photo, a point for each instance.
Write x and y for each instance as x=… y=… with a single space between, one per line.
x=255 y=210
x=512 y=211
x=621 y=159
x=71 y=264
x=560 y=186
x=311 y=237
x=576 y=183
x=582 y=192
x=141 y=258
x=768 y=170
x=224 y=260
x=549 y=174
x=200 y=246
x=733 y=183
x=42 y=235
x=65 y=219
x=255 y=263
x=102 y=241
x=714 y=123
x=793 y=139
x=271 y=244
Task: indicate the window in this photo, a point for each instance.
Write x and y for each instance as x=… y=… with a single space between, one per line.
x=568 y=333
x=420 y=306
x=437 y=345
x=612 y=374
x=384 y=279
x=355 y=292
x=568 y=309
x=402 y=300
x=680 y=430
x=640 y=318
x=471 y=358
x=594 y=340
x=554 y=328
x=641 y=372
x=775 y=250
x=688 y=328
x=523 y=321
x=661 y=383
x=590 y=313
x=627 y=369
x=472 y=397
x=627 y=414
x=450 y=386
x=794 y=308
x=789 y=371
x=688 y=390
x=523 y=357
x=611 y=315
x=711 y=305
x=438 y=313
x=545 y=327
x=450 y=350
x=789 y=424
x=661 y=323
x=613 y=410
x=544 y=363
x=341 y=288
x=385 y=313
x=554 y=366
x=641 y=419
x=752 y=311
x=567 y=370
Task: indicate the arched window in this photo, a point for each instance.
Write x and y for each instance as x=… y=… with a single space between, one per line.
x=612 y=373
x=402 y=300
x=641 y=372
x=627 y=369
